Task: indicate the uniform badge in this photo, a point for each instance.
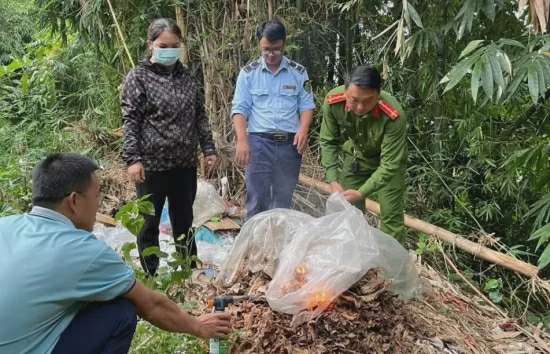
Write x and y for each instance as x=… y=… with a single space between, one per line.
x=307 y=86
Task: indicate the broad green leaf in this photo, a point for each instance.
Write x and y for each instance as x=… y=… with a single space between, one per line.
x=476 y=74
x=487 y=77
x=414 y=15
x=473 y=45
x=154 y=250
x=458 y=71
x=532 y=81
x=492 y=284
x=514 y=85
x=505 y=62
x=543 y=236
x=542 y=82
x=126 y=249
x=544 y=259
x=497 y=74
x=511 y=42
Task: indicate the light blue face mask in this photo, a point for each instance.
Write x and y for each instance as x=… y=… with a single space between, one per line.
x=166 y=56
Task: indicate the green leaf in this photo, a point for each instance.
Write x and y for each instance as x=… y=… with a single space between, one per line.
x=154 y=250
x=492 y=284
x=544 y=259
x=505 y=62
x=487 y=77
x=473 y=45
x=476 y=74
x=532 y=81
x=414 y=15
x=126 y=249
x=497 y=74
x=25 y=83
x=458 y=71
x=511 y=42
x=540 y=75
x=542 y=234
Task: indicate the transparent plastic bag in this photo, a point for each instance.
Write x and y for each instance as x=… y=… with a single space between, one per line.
x=261 y=241
x=208 y=203
x=316 y=259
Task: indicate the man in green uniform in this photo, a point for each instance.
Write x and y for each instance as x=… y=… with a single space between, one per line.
x=363 y=146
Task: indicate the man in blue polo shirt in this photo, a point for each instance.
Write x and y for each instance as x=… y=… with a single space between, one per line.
x=274 y=102
x=64 y=291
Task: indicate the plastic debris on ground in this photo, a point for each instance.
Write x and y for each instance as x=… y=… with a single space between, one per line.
x=313 y=260
x=208 y=203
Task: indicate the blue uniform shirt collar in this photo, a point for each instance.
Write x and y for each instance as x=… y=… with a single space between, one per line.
x=50 y=214
x=282 y=65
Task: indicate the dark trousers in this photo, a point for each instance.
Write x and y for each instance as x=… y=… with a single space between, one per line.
x=179 y=185
x=271 y=175
x=100 y=328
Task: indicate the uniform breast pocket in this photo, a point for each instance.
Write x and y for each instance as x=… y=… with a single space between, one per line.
x=260 y=97
x=289 y=100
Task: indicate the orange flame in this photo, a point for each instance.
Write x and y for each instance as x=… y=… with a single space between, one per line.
x=320 y=298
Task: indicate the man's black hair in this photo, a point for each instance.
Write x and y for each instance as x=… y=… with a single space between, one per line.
x=365 y=76
x=272 y=30
x=58 y=175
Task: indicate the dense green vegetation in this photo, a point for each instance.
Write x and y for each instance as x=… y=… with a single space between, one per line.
x=473 y=76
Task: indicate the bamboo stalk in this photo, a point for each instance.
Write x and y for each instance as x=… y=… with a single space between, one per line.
x=119 y=30
x=473 y=248
x=180 y=20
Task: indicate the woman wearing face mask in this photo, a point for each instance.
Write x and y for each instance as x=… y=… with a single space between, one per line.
x=164 y=121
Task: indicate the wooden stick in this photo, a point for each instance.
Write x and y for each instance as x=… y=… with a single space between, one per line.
x=473 y=248
x=105 y=219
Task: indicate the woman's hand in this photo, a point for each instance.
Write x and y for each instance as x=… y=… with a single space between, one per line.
x=136 y=173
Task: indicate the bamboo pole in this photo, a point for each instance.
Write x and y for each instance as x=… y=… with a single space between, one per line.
x=120 y=34
x=180 y=20
x=473 y=248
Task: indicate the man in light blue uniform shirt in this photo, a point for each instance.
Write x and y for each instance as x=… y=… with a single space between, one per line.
x=273 y=102
x=64 y=291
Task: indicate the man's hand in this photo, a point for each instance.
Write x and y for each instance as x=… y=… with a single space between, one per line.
x=300 y=140
x=136 y=173
x=353 y=196
x=214 y=325
x=336 y=187
x=211 y=163
x=242 y=154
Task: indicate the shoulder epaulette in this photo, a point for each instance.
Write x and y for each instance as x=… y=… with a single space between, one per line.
x=388 y=109
x=299 y=68
x=336 y=98
x=252 y=66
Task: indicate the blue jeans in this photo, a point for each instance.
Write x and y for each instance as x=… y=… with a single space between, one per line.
x=271 y=175
x=100 y=327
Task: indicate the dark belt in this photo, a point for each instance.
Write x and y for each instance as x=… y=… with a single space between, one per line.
x=278 y=137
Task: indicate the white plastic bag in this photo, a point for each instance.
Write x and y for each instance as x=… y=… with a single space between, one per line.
x=115 y=237
x=208 y=204
x=316 y=259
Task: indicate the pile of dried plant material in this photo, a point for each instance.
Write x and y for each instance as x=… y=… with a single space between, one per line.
x=368 y=318
x=115 y=186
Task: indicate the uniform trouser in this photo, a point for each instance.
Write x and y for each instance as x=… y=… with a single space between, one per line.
x=391 y=196
x=179 y=185
x=271 y=175
x=100 y=327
